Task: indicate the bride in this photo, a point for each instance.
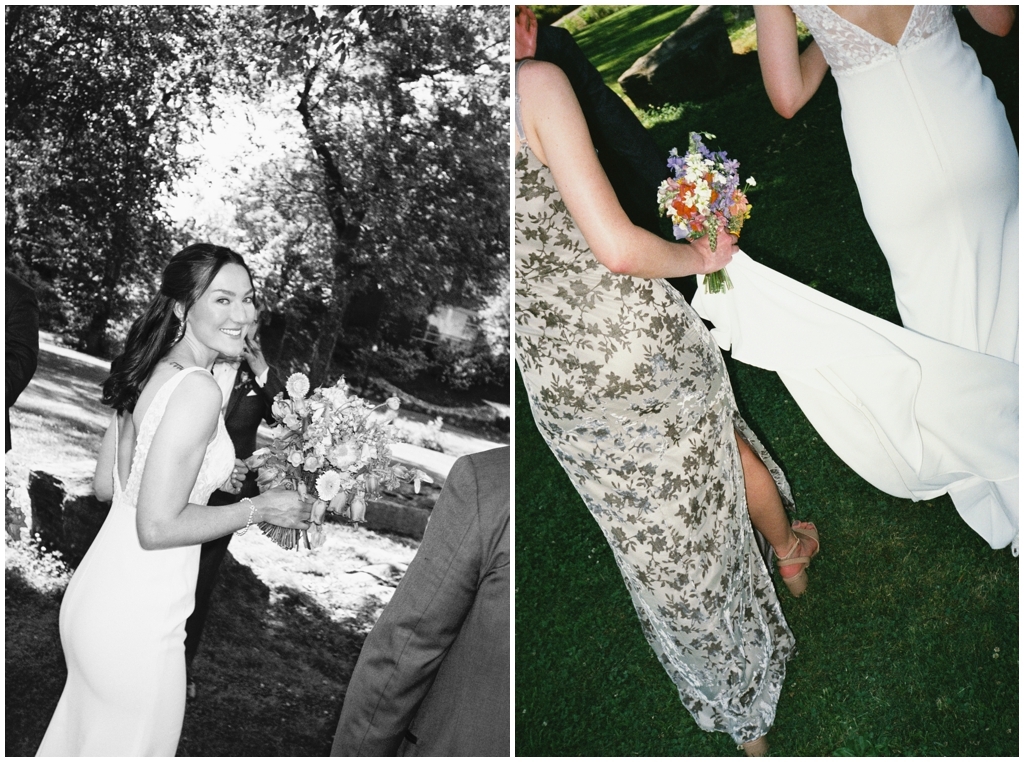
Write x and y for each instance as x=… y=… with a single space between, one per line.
x=122 y=620
x=914 y=416
x=932 y=154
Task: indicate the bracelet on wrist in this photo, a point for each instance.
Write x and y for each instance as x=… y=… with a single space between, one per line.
x=252 y=512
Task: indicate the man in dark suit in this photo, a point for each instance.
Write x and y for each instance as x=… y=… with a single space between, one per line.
x=21 y=343
x=248 y=384
x=433 y=678
x=632 y=160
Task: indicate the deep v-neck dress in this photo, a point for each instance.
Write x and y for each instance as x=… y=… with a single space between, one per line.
x=630 y=393
x=122 y=620
x=936 y=166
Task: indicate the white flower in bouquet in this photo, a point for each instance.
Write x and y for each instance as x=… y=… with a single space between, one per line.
x=328 y=485
x=357 y=510
x=343 y=455
x=297 y=386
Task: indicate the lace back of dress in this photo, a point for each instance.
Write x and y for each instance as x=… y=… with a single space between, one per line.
x=848 y=48
x=144 y=440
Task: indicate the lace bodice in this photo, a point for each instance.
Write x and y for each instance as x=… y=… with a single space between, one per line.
x=217 y=463
x=849 y=49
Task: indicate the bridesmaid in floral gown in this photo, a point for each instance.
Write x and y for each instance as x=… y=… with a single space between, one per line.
x=630 y=392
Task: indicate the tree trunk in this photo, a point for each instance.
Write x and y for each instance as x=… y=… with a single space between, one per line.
x=94 y=342
x=346 y=230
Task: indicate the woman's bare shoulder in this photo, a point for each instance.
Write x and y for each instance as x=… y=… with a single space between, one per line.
x=541 y=74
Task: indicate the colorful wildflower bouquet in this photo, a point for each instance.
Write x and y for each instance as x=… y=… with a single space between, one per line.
x=333 y=446
x=704 y=193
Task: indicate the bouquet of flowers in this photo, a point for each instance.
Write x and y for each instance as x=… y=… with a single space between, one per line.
x=333 y=446
x=703 y=194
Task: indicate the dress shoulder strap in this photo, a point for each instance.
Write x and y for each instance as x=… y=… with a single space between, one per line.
x=519 y=117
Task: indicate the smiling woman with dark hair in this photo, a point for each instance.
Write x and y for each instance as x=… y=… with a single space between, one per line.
x=122 y=620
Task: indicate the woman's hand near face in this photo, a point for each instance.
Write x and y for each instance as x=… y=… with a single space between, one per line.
x=253 y=355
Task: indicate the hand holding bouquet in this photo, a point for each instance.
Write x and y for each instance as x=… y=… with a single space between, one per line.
x=333 y=446
x=702 y=195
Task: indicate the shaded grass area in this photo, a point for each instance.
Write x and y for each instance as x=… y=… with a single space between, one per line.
x=908 y=638
x=636 y=29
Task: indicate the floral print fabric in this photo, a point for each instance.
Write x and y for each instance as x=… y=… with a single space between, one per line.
x=630 y=392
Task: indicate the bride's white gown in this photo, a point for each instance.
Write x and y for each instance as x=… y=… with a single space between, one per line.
x=937 y=170
x=936 y=167
x=914 y=416
x=122 y=621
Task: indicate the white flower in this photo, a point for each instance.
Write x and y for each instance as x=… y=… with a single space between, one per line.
x=420 y=477
x=751 y=182
x=297 y=386
x=343 y=456
x=328 y=485
x=357 y=509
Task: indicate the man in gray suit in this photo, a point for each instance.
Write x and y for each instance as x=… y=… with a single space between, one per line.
x=433 y=678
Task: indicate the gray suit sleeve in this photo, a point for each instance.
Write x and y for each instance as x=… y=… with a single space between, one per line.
x=402 y=654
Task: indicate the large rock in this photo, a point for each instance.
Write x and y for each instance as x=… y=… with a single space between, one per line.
x=691 y=62
x=65 y=522
x=398 y=517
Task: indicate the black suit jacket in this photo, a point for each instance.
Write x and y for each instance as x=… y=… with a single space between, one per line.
x=21 y=343
x=248 y=404
x=632 y=160
x=433 y=676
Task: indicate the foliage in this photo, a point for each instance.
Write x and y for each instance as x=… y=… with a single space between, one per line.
x=43 y=569
x=404 y=110
x=426 y=436
x=17 y=503
x=464 y=365
x=358 y=148
x=395 y=363
x=94 y=96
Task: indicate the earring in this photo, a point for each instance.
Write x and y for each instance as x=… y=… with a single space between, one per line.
x=181 y=331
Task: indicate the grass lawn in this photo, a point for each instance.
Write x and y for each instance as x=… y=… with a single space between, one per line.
x=908 y=637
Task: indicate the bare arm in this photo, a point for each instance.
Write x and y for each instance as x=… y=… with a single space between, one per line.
x=103 y=479
x=164 y=516
x=997 y=19
x=556 y=131
x=790 y=77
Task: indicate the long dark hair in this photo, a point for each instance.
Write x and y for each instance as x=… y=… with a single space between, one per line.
x=189 y=273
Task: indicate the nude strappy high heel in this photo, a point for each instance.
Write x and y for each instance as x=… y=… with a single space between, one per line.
x=797 y=584
x=756 y=748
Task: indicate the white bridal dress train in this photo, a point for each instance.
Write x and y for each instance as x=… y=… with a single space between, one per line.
x=913 y=416
x=122 y=621
x=937 y=170
x=936 y=167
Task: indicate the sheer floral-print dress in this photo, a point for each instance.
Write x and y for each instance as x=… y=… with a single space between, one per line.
x=631 y=394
